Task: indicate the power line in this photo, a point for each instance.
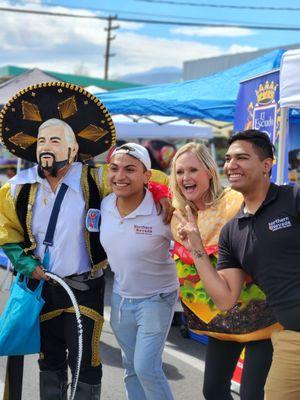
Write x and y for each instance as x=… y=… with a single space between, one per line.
x=110 y=11
x=156 y=22
x=51 y=14
x=231 y=6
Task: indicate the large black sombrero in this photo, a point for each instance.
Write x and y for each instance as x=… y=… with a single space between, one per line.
x=27 y=110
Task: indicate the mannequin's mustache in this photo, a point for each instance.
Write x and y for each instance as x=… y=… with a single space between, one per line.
x=47 y=153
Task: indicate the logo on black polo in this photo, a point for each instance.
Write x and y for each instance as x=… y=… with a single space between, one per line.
x=280 y=223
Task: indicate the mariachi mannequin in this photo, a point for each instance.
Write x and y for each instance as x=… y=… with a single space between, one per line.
x=53 y=124
x=59 y=126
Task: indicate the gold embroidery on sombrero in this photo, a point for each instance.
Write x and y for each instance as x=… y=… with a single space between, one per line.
x=92 y=133
x=67 y=108
x=31 y=111
x=22 y=140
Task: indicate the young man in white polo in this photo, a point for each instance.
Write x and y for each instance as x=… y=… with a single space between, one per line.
x=145 y=284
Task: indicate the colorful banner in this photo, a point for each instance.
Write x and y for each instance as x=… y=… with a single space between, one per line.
x=257 y=108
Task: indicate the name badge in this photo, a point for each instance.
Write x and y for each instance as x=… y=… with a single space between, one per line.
x=92 y=221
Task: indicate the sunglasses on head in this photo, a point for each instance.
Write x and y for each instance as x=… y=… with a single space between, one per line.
x=125 y=147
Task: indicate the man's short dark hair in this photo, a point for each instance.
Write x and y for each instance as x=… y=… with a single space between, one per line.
x=260 y=142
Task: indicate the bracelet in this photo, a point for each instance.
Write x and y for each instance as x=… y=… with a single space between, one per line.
x=198 y=253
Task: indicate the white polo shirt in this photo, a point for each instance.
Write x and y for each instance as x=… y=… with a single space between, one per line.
x=69 y=254
x=137 y=248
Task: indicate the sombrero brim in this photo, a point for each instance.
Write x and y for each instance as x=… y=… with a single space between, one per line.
x=27 y=110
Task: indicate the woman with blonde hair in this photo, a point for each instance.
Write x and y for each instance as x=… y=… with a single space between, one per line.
x=195 y=181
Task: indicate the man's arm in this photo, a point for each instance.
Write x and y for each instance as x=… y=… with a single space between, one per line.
x=223 y=286
x=11 y=230
x=12 y=235
x=22 y=262
x=161 y=194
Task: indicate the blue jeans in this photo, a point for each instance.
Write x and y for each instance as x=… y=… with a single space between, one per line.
x=141 y=327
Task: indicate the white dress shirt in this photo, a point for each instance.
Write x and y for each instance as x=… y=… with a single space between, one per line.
x=68 y=255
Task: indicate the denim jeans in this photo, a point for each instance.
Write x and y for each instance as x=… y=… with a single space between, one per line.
x=141 y=327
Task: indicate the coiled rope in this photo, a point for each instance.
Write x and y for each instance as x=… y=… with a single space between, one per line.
x=79 y=328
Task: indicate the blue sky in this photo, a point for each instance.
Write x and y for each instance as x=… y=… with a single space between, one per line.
x=77 y=45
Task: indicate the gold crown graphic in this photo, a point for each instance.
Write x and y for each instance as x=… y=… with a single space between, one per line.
x=266 y=93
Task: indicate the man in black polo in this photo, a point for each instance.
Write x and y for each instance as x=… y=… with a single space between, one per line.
x=262 y=240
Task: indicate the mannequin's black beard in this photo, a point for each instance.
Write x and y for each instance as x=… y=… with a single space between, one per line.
x=53 y=169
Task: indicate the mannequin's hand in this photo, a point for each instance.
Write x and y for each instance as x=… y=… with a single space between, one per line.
x=39 y=274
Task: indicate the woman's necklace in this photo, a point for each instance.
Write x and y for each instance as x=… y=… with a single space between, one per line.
x=122 y=211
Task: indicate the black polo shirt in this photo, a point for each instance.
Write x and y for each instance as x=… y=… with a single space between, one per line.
x=267 y=246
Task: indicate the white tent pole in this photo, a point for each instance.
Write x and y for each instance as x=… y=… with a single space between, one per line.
x=282 y=144
x=19 y=164
x=213 y=150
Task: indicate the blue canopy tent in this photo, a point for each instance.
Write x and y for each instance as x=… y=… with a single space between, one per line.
x=212 y=97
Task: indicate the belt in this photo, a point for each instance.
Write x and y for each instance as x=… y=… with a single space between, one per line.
x=77 y=284
x=78 y=281
x=86 y=276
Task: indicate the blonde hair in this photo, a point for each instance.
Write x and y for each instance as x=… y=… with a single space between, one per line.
x=215 y=190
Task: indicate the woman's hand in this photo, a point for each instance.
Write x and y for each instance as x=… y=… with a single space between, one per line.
x=188 y=231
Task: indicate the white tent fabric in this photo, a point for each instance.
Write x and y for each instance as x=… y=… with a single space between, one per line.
x=9 y=88
x=289 y=82
x=158 y=127
x=289 y=97
x=95 y=89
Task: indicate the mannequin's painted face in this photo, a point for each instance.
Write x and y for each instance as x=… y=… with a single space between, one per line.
x=54 y=151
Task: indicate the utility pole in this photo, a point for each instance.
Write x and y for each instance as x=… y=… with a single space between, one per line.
x=109 y=38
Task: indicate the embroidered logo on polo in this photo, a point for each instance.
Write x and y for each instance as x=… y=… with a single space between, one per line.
x=92 y=221
x=280 y=223
x=142 y=229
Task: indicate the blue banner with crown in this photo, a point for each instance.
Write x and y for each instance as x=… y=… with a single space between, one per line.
x=257 y=108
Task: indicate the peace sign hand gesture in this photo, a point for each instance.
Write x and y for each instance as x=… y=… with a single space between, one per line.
x=188 y=231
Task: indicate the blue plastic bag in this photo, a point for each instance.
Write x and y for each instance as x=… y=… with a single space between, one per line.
x=20 y=320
